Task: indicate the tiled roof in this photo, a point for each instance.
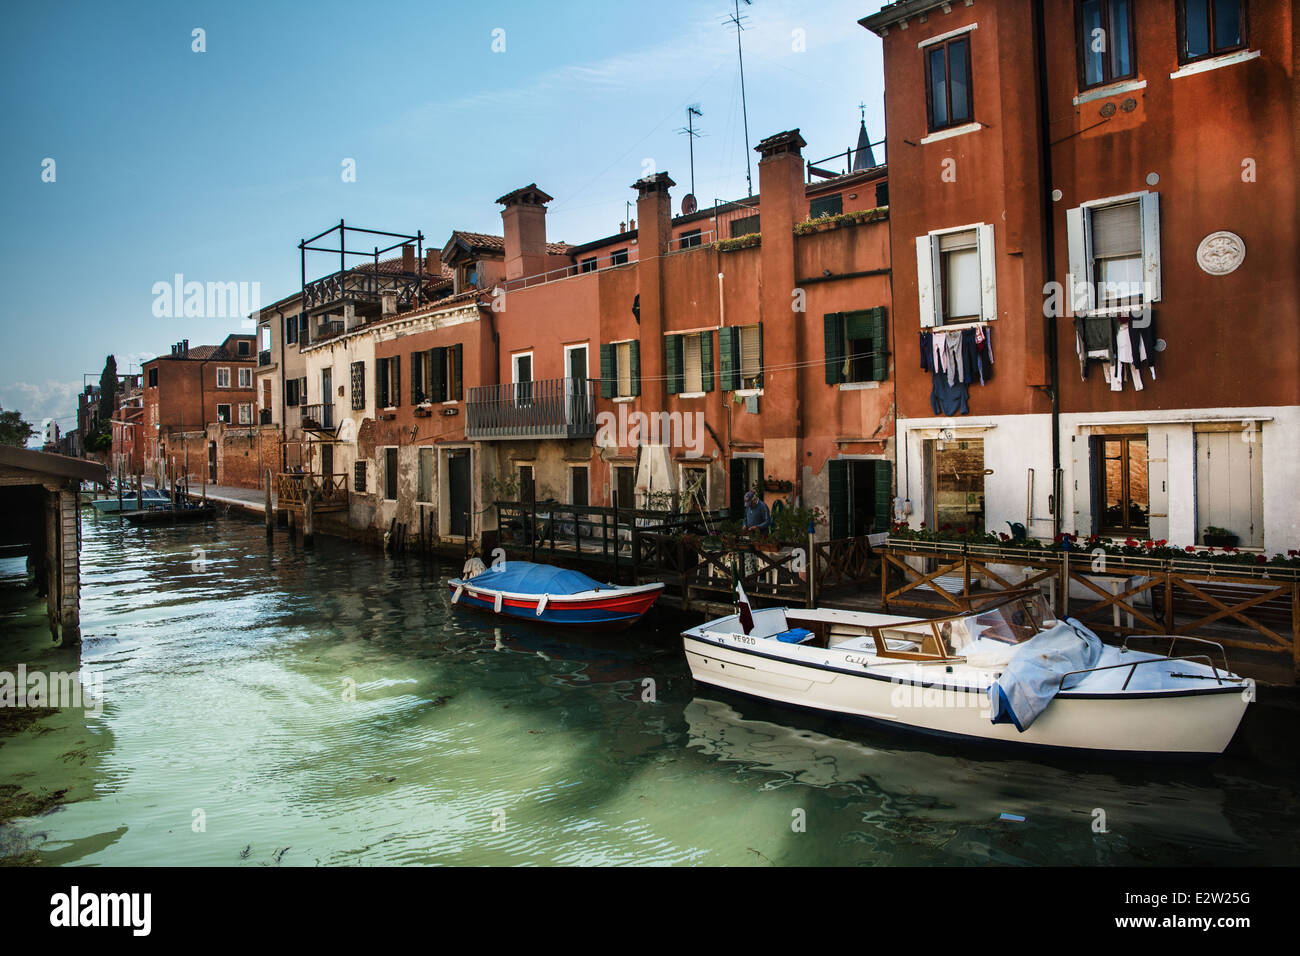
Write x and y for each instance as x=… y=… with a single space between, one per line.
x=482 y=241
x=394 y=266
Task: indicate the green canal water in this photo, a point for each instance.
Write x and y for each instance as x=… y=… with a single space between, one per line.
x=263 y=705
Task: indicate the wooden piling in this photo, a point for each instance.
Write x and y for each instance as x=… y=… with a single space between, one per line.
x=270 y=512
x=308 y=517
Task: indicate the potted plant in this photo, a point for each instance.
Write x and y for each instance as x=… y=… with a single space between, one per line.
x=1216 y=537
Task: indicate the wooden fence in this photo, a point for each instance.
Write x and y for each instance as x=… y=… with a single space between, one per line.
x=1253 y=608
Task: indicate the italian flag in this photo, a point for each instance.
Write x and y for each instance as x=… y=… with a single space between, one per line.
x=742 y=607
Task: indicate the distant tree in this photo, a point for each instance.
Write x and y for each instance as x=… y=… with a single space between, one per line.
x=13 y=430
x=108 y=389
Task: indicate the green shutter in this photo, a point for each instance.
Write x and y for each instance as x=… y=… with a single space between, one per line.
x=728 y=348
x=838 y=473
x=397 y=382
x=884 y=496
x=880 y=350
x=381 y=384
x=417 y=378
x=834 y=347
x=673 y=363
x=634 y=349
x=608 y=372
x=437 y=374
x=706 y=361
x=760 y=354
x=458 y=363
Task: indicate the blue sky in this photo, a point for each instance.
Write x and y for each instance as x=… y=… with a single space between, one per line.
x=215 y=164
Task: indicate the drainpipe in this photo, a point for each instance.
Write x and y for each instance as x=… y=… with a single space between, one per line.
x=1049 y=257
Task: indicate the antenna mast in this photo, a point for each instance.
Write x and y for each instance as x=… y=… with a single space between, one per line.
x=738 y=21
x=692 y=111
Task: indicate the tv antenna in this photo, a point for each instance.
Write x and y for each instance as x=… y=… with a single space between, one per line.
x=739 y=22
x=692 y=111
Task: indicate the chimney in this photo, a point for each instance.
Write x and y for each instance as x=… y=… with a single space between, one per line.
x=408 y=258
x=185 y=348
x=388 y=302
x=653 y=207
x=524 y=221
x=432 y=263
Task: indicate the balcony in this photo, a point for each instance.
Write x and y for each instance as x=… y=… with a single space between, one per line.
x=320 y=417
x=264 y=358
x=546 y=408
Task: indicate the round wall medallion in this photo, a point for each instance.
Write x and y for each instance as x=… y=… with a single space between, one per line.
x=1129 y=104
x=1056 y=195
x=1108 y=110
x=1220 y=253
x=1153 y=179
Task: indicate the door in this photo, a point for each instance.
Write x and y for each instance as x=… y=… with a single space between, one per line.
x=1230 y=485
x=212 y=462
x=576 y=387
x=625 y=485
x=458 y=495
x=956 y=483
x=327 y=398
x=578 y=482
x=326 y=464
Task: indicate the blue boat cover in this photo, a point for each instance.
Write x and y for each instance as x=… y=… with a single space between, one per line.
x=796 y=635
x=1034 y=675
x=525 y=577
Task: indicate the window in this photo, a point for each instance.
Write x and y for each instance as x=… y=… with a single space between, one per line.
x=618 y=257
x=153 y=378
x=956 y=281
x=291 y=330
x=856 y=347
x=625 y=486
x=579 y=486
x=390 y=474
x=244 y=346
x=388 y=382
x=302 y=330
x=264 y=333
x=1210 y=27
x=744 y=226
x=436 y=375
x=223 y=413
x=359 y=476
x=740 y=357
x=523 y=377
x=1123 y=484
x=1114 y=252
x=947 y=83
x=359 y=386
x=692 y=238
x=882 y=194
x=689 y=363
x=291 y=392
x=424 y=490
x=826 y=206
x=223 y=378
x=527 y=484
x=587 y=265
x=1105 y=38
x=245 y=378
x=620 y=369
x=245 y=413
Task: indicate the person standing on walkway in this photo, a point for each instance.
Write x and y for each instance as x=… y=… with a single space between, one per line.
x=758 y=519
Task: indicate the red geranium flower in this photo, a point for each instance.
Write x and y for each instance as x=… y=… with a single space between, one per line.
x=1260 y=559
x=1190 y=549
x=1131 y=542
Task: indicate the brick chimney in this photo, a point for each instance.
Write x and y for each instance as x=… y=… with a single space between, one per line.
x=408 y=258
x=524 y=222
x=654 y=213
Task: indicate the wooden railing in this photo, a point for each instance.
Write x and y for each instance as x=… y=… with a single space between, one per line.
x=328 y=491
x=1256 y=608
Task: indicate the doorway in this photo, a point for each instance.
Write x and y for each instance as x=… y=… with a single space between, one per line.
x=459 y=501
x=955 y=478
x=212 y=462
x=576 y=387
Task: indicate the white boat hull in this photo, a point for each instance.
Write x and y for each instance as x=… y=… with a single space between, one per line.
x=1191 y=723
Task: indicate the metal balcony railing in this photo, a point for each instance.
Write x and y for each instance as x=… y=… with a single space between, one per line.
x=545 y=408
x=264 y=357
x=318 y=416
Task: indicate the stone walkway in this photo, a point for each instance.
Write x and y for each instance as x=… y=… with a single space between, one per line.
x=249 y=499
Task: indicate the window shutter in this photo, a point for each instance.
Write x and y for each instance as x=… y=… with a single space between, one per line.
x=634 y=350
x=397 y=382
x=760 y=354
x=359 y=386
x=381 y=384
x=884 y=495
x=833 y=323
x=417 y=378
x=692 y=373
x=302 y=390
x=437 y=374
x=458 y=366
x=879 y=345
x=988 y=275
x=608 y=376
x=673 y=363
x=1151 y=246
x=727 y=358
x=925 y=284
x=1079 y=292
x=838 y=475
x=706 y=361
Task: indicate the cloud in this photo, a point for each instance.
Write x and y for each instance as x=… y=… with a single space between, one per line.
x=41 y=400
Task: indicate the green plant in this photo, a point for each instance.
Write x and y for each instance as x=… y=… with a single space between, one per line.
x=809 y=226
x=790 y=524
x=1215 y=531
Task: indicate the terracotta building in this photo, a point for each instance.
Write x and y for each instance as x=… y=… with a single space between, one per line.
x=1104 y=193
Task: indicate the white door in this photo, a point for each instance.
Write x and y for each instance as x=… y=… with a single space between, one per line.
x=1230 y=485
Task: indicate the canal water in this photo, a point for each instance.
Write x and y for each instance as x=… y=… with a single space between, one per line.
x=265 y=705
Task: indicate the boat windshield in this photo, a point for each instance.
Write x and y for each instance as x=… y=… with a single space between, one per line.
x=1012 y=622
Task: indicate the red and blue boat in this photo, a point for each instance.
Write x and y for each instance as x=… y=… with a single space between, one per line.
x=541 y=592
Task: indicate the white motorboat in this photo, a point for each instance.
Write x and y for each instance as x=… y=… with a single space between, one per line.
x=955 y=676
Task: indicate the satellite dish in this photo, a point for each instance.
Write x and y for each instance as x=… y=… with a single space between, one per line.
x=688 y=204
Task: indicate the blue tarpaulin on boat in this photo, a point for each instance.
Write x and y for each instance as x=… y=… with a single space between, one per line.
x=1033 y=677
x=525 y=577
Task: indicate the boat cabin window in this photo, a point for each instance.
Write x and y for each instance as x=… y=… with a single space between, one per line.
x=1014 y=622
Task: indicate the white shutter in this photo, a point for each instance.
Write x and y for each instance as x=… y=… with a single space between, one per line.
x=1082 y=490
x=692 y=381
x=1158 y=482
x=925 y=283
x=988 y=275
x=1151 y=245
x=1079 y=292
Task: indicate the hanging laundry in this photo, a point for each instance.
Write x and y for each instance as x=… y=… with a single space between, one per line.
x=984 y=352
x=952 y=358
x=949 y=398
x=927 y=352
